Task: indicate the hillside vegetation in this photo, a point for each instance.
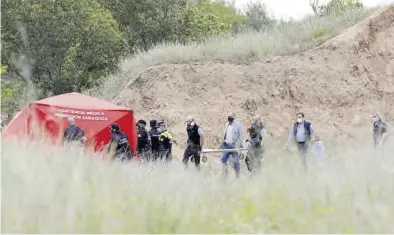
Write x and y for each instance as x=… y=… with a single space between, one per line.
x=53 y=47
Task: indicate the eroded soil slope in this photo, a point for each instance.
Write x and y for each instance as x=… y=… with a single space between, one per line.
x=338 y=85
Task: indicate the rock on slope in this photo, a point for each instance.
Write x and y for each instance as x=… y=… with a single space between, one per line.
x=337 y=85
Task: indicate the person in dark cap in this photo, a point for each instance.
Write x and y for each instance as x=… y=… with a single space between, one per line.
x=119 y=147
x=143 y=142
x=154 y=135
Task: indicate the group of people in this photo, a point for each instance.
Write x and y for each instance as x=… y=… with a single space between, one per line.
x=156 y=144
x=233 y=141
x=152 y=145
x=301 y=134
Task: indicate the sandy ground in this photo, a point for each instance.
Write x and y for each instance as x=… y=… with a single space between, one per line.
x=337 y=85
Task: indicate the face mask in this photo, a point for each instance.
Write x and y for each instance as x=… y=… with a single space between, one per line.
x=190 y=124
x=230 y=119
x=299 y=120
x=375 y=119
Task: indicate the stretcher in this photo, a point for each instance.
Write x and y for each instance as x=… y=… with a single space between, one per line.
x=205 y=151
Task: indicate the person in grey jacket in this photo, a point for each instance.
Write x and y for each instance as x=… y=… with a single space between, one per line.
x=232 y=138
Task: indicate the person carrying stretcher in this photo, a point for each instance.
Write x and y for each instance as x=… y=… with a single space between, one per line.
x=255 y=145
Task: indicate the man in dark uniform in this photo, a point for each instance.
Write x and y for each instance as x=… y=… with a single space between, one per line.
x=73 y=134
x=194 y=143
x=119 y=147
x=143 y=143
x=154 y=135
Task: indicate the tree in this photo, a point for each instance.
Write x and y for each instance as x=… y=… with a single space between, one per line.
x=257 y=17
x=9 y=95
x=151 y=22
x=226 y=13
x=197 y=25
x=69 y=44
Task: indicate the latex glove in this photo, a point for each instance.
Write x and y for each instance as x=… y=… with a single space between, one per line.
x=287 y=147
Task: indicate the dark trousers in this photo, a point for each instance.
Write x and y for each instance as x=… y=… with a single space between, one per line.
x=303 y=152
x=194 y=152
x=165 y=154
x=376 y=139
x=145 y=154
x=155 y=154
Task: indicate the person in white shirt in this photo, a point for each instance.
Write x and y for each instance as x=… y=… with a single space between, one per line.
x=233 y=138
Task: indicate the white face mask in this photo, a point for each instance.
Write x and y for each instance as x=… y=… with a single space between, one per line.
x=299 y=120
x=374 y=119
x=190 y=123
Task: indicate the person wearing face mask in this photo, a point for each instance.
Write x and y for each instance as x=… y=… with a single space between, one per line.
x=195 y=143
x=119 y=148
x=232 y=138
x=257 y=132
x=143 y=141
x=379 y=130
x=301 y=135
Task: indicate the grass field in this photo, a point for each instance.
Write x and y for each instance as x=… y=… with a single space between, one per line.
x=284 y=38
x=52 y=190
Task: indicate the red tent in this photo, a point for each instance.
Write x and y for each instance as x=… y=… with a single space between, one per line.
x=91 y=114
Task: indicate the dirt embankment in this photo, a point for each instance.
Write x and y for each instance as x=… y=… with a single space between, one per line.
x=337 y=85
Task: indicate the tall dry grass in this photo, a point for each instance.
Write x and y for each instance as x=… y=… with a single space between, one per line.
x=56 y=190
x=284 y=38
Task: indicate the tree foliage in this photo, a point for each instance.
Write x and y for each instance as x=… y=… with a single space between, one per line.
x=257 y=17
x=151 y=22
x=9 y=95
x=69 y=44
x=225 y=13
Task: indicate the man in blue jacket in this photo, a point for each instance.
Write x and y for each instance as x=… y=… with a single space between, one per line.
x=301 y=135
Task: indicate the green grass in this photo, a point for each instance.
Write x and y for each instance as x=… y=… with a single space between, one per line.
x=284 y=38
x=52 y=190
